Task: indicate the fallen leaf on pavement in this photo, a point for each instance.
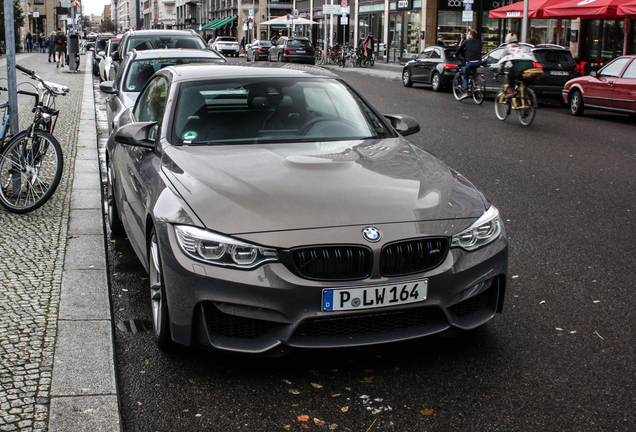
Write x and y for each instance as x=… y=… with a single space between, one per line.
x=426 y=412
x=303 y=418
x=287 y=427
x=319 y=422
x=333 y=426
x=316 y=385
x=294 y=391
x=344 y=409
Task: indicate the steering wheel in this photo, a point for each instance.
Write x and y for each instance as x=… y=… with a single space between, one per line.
x=310 y=124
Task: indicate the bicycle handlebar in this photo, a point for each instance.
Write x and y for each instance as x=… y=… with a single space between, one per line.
x=25 y=70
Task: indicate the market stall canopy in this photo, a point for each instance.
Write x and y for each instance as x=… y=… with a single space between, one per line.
x=515 y=10
x=586 y=9
x=283 y=20
x=627 y=8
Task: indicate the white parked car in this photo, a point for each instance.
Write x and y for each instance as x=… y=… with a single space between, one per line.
x=226 y=45
x=106 y=67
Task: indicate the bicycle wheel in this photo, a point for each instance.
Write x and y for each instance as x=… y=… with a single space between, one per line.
x=365 y=62
x=502 y=105
x=479 y=89
x=458 y=86
x=30 y=170
x=527 y=113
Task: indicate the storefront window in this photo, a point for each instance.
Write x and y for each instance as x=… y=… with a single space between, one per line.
x=489 y=33
x=450 y=25
x=604 y=39
x=395 y=39
x=412 y=34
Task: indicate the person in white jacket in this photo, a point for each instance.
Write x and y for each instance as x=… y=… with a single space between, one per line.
x=516 y=58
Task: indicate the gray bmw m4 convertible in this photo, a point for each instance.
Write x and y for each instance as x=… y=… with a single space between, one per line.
x=274 y=208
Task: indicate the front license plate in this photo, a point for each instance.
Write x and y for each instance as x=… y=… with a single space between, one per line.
x=560 y=73
x=372 y=297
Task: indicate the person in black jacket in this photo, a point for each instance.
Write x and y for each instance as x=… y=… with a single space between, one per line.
x=471 y=50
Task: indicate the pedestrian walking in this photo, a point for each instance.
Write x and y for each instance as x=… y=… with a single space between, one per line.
x=60 y=46
x=28 y=40
x=243 y=44
x=52 y=46
x=44 y=44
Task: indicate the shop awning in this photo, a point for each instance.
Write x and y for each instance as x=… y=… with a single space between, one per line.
x=283 y=20
x=586 y=9
x=515 y=10
x=215 y=24
x=627 y=8
x=210 y=24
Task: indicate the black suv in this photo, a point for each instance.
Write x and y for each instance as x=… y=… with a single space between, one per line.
x=288 y=49
x=558 y=67
x=156 y=39
x=100 y=45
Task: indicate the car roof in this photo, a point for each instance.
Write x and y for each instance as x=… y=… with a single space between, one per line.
x=133 y=33
x=173 y=53
x=184 y=73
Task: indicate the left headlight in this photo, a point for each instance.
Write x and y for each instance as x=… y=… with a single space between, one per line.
x=485 y=230
x=221 y=250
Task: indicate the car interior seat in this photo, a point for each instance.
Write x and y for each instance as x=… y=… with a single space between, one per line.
x=186 y=43
x=192 y=116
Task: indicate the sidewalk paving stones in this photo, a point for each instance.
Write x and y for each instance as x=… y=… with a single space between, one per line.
x=56 y=354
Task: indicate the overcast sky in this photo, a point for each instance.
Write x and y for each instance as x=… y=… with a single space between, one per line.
x=95 y=7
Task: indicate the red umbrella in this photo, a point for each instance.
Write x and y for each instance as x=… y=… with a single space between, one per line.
x=588 y=9
x=515 y=10
x=627 y=8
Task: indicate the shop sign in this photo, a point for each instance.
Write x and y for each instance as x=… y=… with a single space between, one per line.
x=404 y=4
x=36 y=14
x=450 y=4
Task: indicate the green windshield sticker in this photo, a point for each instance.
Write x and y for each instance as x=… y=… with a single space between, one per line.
x=189 y=136
x=131 y=87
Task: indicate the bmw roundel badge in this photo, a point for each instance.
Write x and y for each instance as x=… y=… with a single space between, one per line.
x=371 y=234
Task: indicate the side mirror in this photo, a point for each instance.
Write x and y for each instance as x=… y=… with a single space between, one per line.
x=116 y=56
x=102 y=53
x=108 y=87
x=141 y=134
x=405 y=125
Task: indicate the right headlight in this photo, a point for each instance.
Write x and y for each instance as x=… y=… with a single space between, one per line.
x=216 y=249
x=485 y=230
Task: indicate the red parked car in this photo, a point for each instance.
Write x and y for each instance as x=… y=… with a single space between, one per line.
x=612 y=88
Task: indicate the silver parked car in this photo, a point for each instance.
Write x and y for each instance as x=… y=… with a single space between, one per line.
x=138 y=67
x=275 y=208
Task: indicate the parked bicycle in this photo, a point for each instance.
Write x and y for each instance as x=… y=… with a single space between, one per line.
x=524 y=102
x=31 y=162
x=476 y=86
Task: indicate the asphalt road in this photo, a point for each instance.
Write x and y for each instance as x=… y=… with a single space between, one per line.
x=561 y=356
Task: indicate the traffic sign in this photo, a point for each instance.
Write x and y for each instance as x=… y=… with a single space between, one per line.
x=343 y=3
x=250 y=12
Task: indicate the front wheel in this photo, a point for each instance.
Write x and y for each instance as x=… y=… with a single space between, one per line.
x=479 y=89
x=527 y=113
x=576 y=103
x=406 y=78
x=502 y=105
x=458 y=89
x=159 y=306
x=365 y=62
x=30 y=170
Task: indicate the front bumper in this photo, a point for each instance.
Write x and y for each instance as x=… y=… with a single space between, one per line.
x=271 y=310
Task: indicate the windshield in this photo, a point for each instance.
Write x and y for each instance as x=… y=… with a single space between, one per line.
x=251 y=110
x=226 y=39
x=140 y=71
x=298 y=43
x=143 y=43
x=100 y=45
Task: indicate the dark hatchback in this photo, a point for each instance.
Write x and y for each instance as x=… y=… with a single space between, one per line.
x=258 y=50
x=435 y=66
x=292 y=49
x=558 y=68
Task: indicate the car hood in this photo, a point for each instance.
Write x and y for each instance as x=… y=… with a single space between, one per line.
x=259 y=188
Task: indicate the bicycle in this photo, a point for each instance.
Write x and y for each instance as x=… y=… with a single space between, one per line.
x=524 y=102
x=476 y=86
x=31 y=162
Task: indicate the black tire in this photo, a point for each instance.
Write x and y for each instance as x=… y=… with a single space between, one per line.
x=158 y=303
x=406 y=77
x=526 y=115
x=436 y=82
x=502 y=106
x=114 y=222
x=458 y=89
x=34 y=166
x=280 y=60
x=269 y=57
x=577 y=106
x=479 y=90
x=365 y=62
